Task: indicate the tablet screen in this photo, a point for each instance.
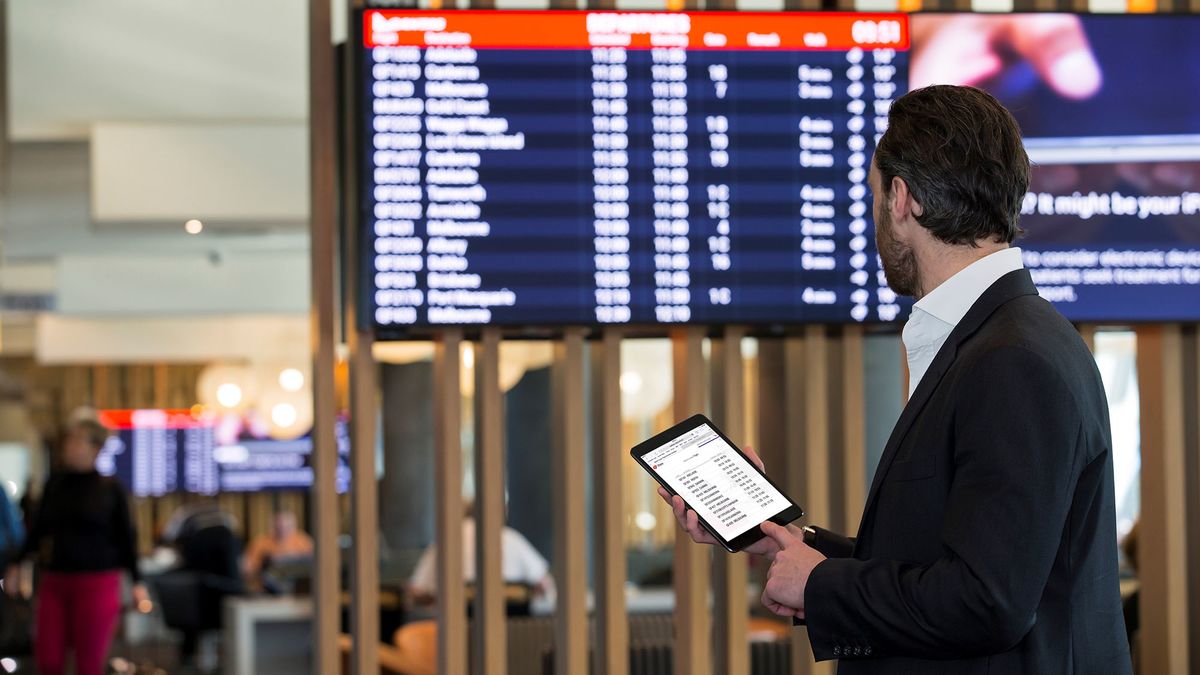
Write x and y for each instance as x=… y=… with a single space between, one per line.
x=716 y=481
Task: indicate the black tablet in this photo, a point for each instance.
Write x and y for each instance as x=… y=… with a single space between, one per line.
x=694 y=460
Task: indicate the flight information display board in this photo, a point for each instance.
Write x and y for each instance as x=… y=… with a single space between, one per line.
x=158 y=452
x=572 y=167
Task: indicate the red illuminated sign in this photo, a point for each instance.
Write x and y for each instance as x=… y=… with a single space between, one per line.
x=634 y=30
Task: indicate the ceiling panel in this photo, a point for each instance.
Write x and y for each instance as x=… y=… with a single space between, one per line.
x=75 y=62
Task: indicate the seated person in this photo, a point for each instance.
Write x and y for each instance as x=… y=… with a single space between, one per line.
x=520 y=561
x=207 y=548
x=285 y=542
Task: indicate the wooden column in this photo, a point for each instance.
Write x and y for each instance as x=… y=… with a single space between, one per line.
x=801 y=5
x=162 y=390
x=490 y=634
x=364 y=499
x=612 y=626
x=1087 y=331
x=854 y=430
x=364 y=397
x=448 y=507
x=570 y=518
x=102 y=387
x=1191 y=417
x=807 y=440
x=730 y=572
x=1162 y=545
x=693 y=655
x=322 y=114
x=816 y=412
x=793 y=451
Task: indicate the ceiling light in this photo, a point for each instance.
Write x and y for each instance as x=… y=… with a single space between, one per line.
x=229 y=395
x=193 y=226
x=291 y=379
x=284 y=415
x=645 y=521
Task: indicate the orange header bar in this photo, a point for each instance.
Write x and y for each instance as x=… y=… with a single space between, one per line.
x=151 y=419
x=542 y=29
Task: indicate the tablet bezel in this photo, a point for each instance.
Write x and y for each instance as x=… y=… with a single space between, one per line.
x=739 y=543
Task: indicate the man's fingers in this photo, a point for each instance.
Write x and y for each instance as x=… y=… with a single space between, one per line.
x=688 y=520
x=754 y=458
x=776 y=607
x=698 y=533
x=1057 y=47
x=679 y=509
x=780 y=534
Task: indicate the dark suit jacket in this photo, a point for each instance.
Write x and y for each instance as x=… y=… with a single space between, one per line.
x=988 y=543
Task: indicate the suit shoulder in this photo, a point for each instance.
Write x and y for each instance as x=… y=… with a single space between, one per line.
x=1031 y=324
x=1029 y=334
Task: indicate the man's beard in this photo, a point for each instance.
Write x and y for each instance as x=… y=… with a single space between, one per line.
x=899 y=261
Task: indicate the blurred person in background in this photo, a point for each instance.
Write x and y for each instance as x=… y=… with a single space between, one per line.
x=28 y=505
x=205 y=570
x=81 y=538
x=285 y=542
x=521 y=563
x=14 y=623
x=12 y=529
x=204 y=537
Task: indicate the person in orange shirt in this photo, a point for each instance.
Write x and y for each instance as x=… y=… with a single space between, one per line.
x=285 y=542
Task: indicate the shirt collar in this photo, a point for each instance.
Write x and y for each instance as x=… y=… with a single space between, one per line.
x=950 y=301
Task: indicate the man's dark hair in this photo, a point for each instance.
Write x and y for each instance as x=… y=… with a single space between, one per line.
x=960 y=152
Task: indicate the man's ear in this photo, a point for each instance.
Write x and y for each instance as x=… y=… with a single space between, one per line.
x=903 y=201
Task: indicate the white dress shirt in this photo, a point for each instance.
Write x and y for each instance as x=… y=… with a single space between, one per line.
x=935 y=315
x=519 y=560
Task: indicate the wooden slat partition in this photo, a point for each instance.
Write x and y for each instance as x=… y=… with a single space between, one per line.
x=793 y=452
x=1087 y=331
x=612 y=625
x=730 y=573
x=801 y=5
x=854 y=430
x=490 y=634
x=234 y=503
x=364 y=505
x=569 y=494
x=1191 y=417
x=322 y=119
x=448 y=508
x=259 y=510
x=1162 y=545
x=162 y=387
x=693 y=655
x=815 y=416
x=807 y=440
x=363 y=389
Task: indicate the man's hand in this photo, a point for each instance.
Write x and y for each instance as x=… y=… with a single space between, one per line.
x=12 y=581
x=973 y=49
x=141 y=599
x=790 y=569
x=689 y=522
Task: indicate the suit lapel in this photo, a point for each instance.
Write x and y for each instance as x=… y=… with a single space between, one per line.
x=1012 y=285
